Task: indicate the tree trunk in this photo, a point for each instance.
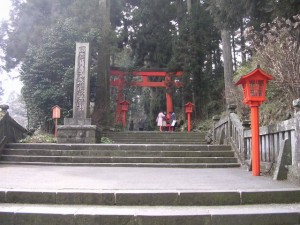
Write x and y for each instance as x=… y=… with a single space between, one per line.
x=189 y=6
x=243 y=43
x=101 y=115
x=234 y=53
x=228 y=71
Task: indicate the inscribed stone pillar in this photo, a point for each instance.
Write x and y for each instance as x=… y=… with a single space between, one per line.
x=81 y=98
x=81 y=82
x=79 y=129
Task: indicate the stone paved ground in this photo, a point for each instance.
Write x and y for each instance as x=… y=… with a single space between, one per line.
x=115 y=178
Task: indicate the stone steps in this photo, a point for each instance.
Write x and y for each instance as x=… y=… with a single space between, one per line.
x=125 y=155
x=149 y=207
x=119 y=160
x=156 y=137
x=150 y=197
x=153 y=141
x=39 y=198
x=26 y=214
x=156 y=165
x=164 y=134
x=121 y=147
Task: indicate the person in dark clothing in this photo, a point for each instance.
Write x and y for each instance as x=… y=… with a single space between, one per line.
x=131 y=125
x=141 y=124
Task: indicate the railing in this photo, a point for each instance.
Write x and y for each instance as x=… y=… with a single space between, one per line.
x=10 y=130
x=230 y=130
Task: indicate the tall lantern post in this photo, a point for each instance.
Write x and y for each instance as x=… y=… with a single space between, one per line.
x=188 y=111
x=124 y=108
x=254 y=90
x=55 y=116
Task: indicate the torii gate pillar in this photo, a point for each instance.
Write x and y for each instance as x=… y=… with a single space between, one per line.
x=169 y=99
x=169 y=102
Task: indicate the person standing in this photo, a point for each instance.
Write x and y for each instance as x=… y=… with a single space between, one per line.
x=173 y=121
x=141 y=124
x=131 y=125
x=159 y=120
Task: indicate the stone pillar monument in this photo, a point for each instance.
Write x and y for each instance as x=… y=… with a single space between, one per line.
x=79 y=129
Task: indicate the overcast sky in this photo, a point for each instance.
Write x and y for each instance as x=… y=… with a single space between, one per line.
x=4 y=9
x=9 y=81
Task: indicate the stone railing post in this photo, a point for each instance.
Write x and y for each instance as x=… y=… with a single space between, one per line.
x=231 y=109
x=215 y=119
x=246 y=126
x=296 y=149
x=4 y=108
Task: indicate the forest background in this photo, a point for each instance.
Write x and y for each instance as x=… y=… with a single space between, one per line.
x=212 y=41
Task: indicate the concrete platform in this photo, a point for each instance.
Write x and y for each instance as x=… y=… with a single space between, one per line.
x=115 y=178
x=55 y=195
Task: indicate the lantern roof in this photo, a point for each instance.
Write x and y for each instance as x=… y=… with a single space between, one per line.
x=54 y=107
x=257 y=73
x=189 y=104
x=124 y=102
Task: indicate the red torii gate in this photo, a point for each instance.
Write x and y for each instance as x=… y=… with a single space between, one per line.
x=120 y=82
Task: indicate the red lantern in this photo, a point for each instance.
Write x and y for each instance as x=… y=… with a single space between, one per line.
x=254 y=86
x=124 y=105
x=254 y=89
x=189 y=110
x=189 y=107
x=124 y=108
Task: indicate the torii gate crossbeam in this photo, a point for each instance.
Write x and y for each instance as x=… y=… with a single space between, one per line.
x=118 y=75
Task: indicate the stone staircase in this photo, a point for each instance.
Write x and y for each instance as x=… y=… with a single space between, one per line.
x=95 y=204
x=124 y=155
x=150 y=149
x=152 y=137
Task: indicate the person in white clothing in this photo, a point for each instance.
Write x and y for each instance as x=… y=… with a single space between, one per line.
x=160 y=120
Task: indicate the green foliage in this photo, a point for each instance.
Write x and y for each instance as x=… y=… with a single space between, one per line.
x=152 y=37
x=46 y=72
x=204 y=125
x=277 y=50
x=106 y=140
x=42 y=34
x=226 y=14
x=197 y=53
x=286 y=8
x=39 y=138
x=274 y=109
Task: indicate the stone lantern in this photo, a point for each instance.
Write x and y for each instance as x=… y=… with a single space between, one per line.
x=254 y=90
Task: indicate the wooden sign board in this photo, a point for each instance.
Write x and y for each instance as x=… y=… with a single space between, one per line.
x=56 y=112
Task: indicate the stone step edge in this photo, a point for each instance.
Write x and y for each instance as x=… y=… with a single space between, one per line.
x=151 y=198
x=166 y=165
x=6 y=151
x=68 y=146
x=119 y=157
x=120 y=150
x=150 y=210
x=158 y=138
x=69 y=215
